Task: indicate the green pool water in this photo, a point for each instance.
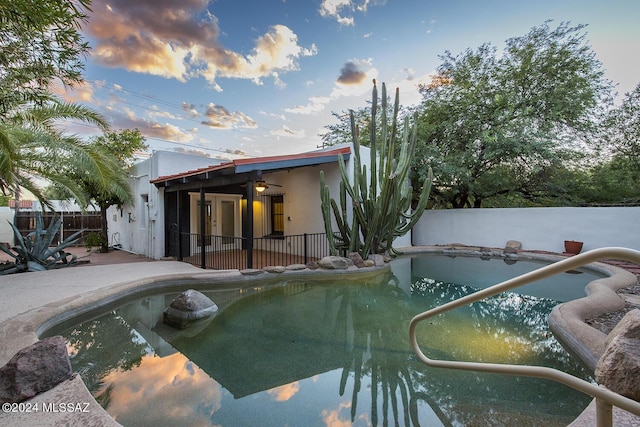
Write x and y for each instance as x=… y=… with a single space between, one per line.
x=326 y=353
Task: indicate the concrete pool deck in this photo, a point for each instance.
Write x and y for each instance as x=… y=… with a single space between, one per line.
x=32 y=302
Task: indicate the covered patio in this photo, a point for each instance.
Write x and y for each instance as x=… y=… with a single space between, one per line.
x=248 y=213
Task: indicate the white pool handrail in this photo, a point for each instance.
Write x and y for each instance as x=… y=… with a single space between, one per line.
x=604 y=397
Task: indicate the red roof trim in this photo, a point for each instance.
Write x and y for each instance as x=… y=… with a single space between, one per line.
x=256 y=161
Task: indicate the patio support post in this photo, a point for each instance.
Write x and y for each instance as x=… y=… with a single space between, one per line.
x=178 y=221
x=250 y=224
x=203 y=213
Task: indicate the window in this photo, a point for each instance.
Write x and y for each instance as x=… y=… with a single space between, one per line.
x=277 y=215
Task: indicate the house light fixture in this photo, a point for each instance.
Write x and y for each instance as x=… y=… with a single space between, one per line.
x=261 y=186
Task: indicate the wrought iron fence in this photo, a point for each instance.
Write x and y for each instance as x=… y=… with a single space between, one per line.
x=221 y=252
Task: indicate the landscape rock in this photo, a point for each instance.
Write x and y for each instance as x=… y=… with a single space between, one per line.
x=187 y=308
x=369 y=263
x=356 y=258
x=378 y=259
x=335 y=263
x=313 y=265
x=251 y=271
x=619 y=366
x=35 y=369
x=296 y=267
x=512 y=247
x=275 y=269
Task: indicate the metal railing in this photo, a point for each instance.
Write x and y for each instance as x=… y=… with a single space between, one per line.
x=604 y=397
x=291 y=249
x=221 y=252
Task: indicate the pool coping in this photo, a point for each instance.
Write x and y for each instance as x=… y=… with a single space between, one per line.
x=58 y=300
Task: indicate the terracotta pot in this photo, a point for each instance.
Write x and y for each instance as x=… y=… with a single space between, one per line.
x=572 y=247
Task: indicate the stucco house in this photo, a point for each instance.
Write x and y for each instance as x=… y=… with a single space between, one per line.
x=207 y=211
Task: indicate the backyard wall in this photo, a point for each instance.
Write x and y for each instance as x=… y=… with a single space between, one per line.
x=537 y=228
x=6 y=217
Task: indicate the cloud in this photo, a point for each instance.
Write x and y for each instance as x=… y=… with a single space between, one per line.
x=408 y=83
x=316 y=104
x=355 y=79
x=284 y=392
x=191 y=151
x=190 y=108
x=285 y=131
x=331 y=417
x=220 y=118
x=343 y=10
x=181 y=40
x=333 y=8
x=80 y=93
x=351 y=74
x=197 y=397
x=124 y=118
x=157 y=112
x=236 y=152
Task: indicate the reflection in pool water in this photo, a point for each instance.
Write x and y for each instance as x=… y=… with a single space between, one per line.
x=326 y=353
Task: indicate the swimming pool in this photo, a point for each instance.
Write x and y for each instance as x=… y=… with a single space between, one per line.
x=317 y=352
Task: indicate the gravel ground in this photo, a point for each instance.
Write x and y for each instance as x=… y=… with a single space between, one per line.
x=607 y=322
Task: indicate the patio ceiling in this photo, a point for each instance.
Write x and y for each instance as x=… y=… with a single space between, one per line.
x=244 y=170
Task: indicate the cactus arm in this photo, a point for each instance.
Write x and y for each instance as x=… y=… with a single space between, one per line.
x=381 y=196
x=326 y=215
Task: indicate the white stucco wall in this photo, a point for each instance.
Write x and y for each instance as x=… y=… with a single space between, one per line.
x=536 y=228
x=139 y=227
x=6 y=217
x=301 y=186
x=302 y=204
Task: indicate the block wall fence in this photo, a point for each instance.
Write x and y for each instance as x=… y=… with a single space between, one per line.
x=537 y=228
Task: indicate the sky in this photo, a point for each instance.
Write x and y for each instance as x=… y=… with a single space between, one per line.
x=237 y=78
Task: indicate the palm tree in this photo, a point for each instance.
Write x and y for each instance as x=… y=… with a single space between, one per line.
x=32 y=148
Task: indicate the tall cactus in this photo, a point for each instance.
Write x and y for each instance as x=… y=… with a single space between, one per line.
x=380 y=204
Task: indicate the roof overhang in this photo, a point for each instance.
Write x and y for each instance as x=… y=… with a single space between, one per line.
x=244 y=170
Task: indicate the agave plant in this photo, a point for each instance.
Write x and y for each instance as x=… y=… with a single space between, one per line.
x=35 y=252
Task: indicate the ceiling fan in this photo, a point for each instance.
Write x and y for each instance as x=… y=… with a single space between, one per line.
x=261 y=185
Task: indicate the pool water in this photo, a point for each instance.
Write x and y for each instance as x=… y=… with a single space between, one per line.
x=305 y=353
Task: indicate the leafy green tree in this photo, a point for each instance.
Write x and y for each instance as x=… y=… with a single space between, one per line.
x=40 y=43
x=492 y=124
x=621 y=127
x=118 y=149
x=340 y=132
x=123 y=145
x=613 y=182
x=93 y=361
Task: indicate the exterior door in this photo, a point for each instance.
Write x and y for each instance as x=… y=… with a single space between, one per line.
x=228 y=221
